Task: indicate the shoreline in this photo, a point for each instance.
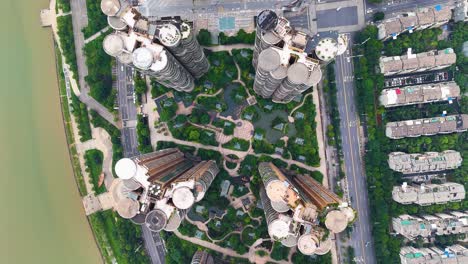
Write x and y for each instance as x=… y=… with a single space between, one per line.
x=69 y=135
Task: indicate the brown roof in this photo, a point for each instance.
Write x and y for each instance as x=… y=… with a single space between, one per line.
x=391 y=65
x=408 y=21
x=445 y=57
x=426 y=16
x=409 y=63
x=426 y=59
x=444 y=14
x=393 y=26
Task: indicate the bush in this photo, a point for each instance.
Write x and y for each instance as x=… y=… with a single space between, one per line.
x=240 y=37
x=378 y=16
x=80 y=112
x=93 y=160
x=140 y=87
x=97 y=20
x=64 y=5
x=67 y=42
x=143 y=134
x=204 y=37
x=279 y=252
x=419 y=41
x=158 y=89
x=237 y=144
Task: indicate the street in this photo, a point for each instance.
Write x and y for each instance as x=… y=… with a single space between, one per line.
x=396 y=6
x=361 y=236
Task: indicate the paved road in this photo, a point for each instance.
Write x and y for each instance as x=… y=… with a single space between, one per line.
x=128 y=115
x=127 y=109
x=395 y=6
x=80 y=20
x=361 y=237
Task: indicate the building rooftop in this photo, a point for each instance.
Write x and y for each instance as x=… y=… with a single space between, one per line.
x=450 y=254
x=427 y=126
x=428 y=194
x=426 y=162
x=395 y=64
x=419 y=94
x=430 y=225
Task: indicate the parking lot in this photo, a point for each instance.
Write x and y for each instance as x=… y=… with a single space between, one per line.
x=418 y=78
x=346 y=16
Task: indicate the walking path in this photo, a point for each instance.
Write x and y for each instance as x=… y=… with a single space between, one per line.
x=229 y=47
x=95 y=36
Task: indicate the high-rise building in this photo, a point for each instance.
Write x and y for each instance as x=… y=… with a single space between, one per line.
x=427 y=194
x=427 y=126
x=160 y=187
x=426 y=162
x=287 y=61
x=202 y=257
x=450 y=255
x=292 y=203
x=165 y=49
x=431 y=225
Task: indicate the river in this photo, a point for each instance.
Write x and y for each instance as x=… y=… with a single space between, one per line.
x=42 y=218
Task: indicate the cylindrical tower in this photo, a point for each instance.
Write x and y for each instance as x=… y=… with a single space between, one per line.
x=184 y=46
x=113 y=44
x=275 y=188
x=298 y=75
x=174 y=221
x=183 y=198
x=290 y=240
x=336 y=221
x=324 y=246
x=169 y=72
x=110 y=7
x=126 y=170
x=278 y=226
x=116 y=23
x=265 y=37
x=307 y=243
x=204 y=182
x=156 y=220
x=270 y=73
x=127 y=208
x=202 y=257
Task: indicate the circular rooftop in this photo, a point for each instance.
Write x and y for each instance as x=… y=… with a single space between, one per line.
x=125 y=168
x=127 y=208
x=315 y=76
x=336 y=221
x=276 y=190
x=169 y=35
x=267 y=20
x=143 y=58
x=269 y=60
x=113 y=45
x=125 y=58
x=156 y=220
x=324 y=247
x=278 y=229
x=174 y=222
x=110 y=7
x=280 y=73
x=326 y=49
x=139 y=219
x=271 y=38
x=298 y=73
x=307 y=244
x=280 y=206
x=183 y=198
x=289 y=241
x=349 y=212
x=116 y=23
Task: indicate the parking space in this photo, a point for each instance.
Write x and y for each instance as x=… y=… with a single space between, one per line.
x=346 y=16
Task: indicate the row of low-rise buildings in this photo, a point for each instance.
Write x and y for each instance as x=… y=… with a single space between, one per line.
x=292 y=203
x=455 y=254
x=429 y=17
x=426 y=226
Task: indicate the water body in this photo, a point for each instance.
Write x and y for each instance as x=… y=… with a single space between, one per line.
x=42 y=219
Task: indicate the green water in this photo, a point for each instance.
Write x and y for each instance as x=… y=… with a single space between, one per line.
x=42 y=219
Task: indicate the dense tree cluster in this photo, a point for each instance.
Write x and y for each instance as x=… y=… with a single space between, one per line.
x=67 y=42
x=80 y=112
x=204 y=37
x=63 y=5
x=140 y=87
x=96 y=18
x=143 y=134
x=419 y=41
x=99 y=76
x=240 y=37
x=93 y=161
